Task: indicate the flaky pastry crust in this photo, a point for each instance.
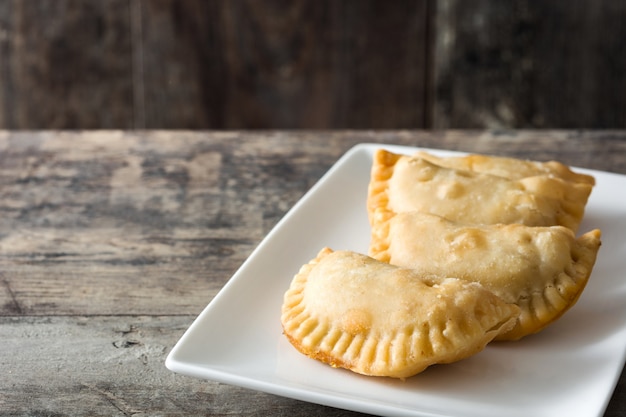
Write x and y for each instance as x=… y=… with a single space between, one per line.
x=400 y=183
x=352 y=311
x=511 y=168
x=543 y=270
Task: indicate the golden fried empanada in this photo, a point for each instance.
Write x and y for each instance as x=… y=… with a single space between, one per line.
x=352 y=311
x=511 y=168
x=400 y=183
x=541 y=269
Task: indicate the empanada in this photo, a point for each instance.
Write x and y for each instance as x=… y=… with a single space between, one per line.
x=511 y=168
x=351 y=311
x=541 y=269
x=400 y=183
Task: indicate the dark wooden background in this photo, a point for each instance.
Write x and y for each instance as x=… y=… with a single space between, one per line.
x=312 y=64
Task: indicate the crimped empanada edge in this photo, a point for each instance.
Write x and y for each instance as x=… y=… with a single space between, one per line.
x=383 y=165
x=556 y=299
x=310 y=337
x=566 y=289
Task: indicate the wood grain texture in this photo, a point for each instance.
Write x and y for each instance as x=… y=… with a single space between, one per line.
x=113 y=366
x=304 y=64
x=556 y=64
x=294 y=64
x=112 y=242
x=65 y=64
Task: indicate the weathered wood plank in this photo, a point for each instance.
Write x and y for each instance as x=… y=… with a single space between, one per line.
x=300 y=64
x=525 y=64
x=65 y=64
x=142 y=223
x=114 y=366
x=311 y=64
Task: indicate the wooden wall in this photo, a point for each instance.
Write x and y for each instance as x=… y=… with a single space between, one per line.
x=290 y=64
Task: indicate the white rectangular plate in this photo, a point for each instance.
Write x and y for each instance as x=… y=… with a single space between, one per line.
x=569 y=369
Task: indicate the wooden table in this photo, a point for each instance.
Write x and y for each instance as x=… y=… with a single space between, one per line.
x=112 y=242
